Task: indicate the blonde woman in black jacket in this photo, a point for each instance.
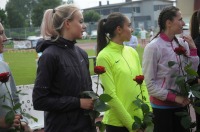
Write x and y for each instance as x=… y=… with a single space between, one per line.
x=63 y=72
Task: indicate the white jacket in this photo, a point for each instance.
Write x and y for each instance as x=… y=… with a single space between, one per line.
x=158 y=75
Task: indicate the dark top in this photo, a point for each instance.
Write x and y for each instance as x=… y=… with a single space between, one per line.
x=62 y=74
x=197 y=43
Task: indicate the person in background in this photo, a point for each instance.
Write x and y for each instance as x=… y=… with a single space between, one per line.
x=4 y=127
x=133 y=42
x=158 y=75
x=195 y=33
x=63 y=73
x=122 y=64
x=143 y=34
x=151 y=34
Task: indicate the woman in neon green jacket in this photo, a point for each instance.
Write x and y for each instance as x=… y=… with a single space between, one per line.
x=122 y=65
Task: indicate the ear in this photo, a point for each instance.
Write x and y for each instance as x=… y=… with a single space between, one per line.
x=168 y=23
x=118 y=29
x=66 y=24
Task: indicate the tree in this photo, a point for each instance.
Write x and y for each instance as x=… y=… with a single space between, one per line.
x=40 y=7
x=91 y=17
x=3 y=18
x=18 y=12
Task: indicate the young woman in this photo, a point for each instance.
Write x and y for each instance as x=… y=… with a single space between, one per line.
x=4 y=127
x=63 y=72
x=158 y=75
x=195 y=33
x=122 y=64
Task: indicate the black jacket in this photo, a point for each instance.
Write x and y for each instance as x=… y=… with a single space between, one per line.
x=62 y=74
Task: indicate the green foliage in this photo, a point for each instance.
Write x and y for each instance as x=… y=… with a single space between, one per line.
x=40 y=7
x=10 y=115
x=101 y=126
x=91 y=16
x=3 y=18
x=184 y=82
x=18 y=12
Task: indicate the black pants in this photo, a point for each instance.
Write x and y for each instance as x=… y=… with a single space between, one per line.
x=110 y=128
x=165 y=120
x=198 y=121
x=197 y=115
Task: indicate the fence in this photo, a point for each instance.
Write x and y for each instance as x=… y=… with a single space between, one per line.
x=22 y=33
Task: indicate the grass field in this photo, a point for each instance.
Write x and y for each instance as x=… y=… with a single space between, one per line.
x=23 y=64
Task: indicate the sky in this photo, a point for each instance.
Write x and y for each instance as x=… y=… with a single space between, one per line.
x=80 y=3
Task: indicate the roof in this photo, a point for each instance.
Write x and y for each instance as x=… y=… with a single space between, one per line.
x=121 y=4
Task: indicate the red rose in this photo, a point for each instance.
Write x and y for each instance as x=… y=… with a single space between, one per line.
x=139 y=79
x=4 y=77
x=180 y=50
x=99 y=69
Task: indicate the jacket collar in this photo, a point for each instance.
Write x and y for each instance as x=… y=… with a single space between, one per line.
x=116 y=46
x=165 y=37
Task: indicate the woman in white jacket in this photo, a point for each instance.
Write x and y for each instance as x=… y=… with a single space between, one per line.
x=158 y=75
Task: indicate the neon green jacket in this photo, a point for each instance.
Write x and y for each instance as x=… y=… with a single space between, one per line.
x=122 y=64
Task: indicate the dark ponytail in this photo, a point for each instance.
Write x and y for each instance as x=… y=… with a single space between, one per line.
x=102 y=40
x=107 y=27
x=194 y=24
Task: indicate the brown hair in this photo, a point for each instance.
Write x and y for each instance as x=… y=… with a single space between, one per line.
x=168 y=13
x=194 y=24
x=107 y=27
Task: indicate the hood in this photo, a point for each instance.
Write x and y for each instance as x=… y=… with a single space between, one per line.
x=60 y=42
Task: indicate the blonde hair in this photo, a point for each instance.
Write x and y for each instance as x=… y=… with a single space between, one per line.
x=53 y=20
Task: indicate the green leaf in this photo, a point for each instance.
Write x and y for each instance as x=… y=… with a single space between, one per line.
x=100 y=106
x=102 y=86
x=137 y=102
x=150 y=128
x=145 y=108
x=186 y=122
x=196 y=93
x=171 y=63
x=180 y=81
x=7 y=107
x=105 y=97
x=137 y=124
x=17 y=106
x=101 y=126
x=18 y=91
x=188 y=65
x=9 y=117
x=191 y=72
x=147 y=119
x=195 y=87
x=137 y=119
x=91 y=94
x=30 y=116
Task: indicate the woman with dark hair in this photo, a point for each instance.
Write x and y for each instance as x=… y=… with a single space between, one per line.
x=195 y=33
x=122 y=65
x=158 y=75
